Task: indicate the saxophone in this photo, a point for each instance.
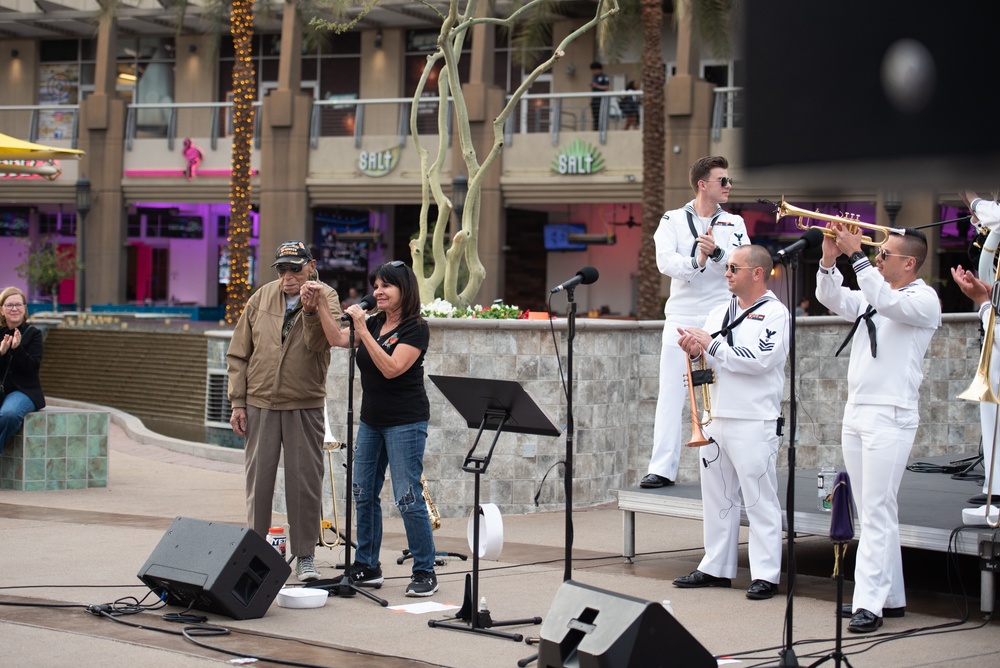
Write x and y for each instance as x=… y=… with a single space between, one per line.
x=432 y=510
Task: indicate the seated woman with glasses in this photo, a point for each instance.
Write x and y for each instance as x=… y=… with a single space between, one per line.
x=394 y=415
x=20 y=360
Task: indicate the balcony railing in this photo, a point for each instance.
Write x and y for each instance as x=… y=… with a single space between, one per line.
x=555 y=112
x=346 y=118
x=48 y=122
x=727 y=111
x=160 y=121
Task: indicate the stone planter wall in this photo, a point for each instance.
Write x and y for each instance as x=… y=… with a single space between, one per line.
x=615 y=385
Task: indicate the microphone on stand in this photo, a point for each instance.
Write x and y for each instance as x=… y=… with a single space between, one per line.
x=586 y=276
x=812 y=237
x=761 y=200
x=367 y=303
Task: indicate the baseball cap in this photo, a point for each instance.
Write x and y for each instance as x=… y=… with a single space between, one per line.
x=292 y=252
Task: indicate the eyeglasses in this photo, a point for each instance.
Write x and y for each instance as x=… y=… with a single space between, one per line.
x=882 y=254
x=722 y=181
x=282 y=268
x=733 y=268
x=396 y=263
x=13 y=307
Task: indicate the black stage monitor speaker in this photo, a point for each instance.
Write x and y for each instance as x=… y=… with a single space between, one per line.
x=215 y=567
x=588 y=627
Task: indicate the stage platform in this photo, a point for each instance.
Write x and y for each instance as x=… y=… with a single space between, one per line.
x=930 y=508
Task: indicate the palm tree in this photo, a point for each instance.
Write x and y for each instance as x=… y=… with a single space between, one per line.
x=244 y=95
x=712 y=20
x=653 y=147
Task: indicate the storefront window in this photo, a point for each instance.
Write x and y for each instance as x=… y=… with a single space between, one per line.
x=65 y=76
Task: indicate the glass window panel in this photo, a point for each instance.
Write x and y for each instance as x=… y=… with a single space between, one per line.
x=88 y=49
x=55 y=50
x=270 y=45
x=310 y=69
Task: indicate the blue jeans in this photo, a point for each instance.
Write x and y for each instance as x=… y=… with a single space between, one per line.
x=401 y=448
x=15 y=406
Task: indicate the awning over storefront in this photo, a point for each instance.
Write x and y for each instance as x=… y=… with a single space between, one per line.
x=37 y=158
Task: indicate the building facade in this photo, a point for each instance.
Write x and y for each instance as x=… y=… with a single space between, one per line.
x=334 y=161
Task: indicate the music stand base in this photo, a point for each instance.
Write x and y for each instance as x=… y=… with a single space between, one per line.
x=456 y=624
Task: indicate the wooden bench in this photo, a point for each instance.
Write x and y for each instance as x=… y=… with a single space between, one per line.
x=57 y=448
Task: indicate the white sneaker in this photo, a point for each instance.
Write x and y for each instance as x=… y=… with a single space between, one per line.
x=305 y=571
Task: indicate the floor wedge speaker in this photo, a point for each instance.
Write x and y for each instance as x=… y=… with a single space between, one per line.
x=215 y=567
x=588 y=627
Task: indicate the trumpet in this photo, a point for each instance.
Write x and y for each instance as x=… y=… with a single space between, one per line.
x=850 y=222
x=703 y=377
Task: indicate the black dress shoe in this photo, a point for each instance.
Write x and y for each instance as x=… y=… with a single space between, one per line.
x=761 y=589
x=699 y=579
x=846 y=611
x=864 y=622
x=978 y=500
x=652 y=481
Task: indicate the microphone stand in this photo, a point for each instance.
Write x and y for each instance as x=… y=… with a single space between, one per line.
x=568 y=473
x=568 y=465
x=344 y=586
x=787 y=654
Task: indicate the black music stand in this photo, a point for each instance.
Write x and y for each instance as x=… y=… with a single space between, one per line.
x=500 y=405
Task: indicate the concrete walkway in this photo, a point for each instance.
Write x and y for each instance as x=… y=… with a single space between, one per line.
x=62 y=551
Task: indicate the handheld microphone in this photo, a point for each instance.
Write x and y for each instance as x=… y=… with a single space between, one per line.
x=586 y=276
x=812 y=237
x=367 y=303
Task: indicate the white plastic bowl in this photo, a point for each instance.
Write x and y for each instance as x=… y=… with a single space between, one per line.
x=302 y=597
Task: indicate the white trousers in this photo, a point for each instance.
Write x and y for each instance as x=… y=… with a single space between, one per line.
x=741 y=463
x=988 y=421
x=876 y=441
x=670 y=400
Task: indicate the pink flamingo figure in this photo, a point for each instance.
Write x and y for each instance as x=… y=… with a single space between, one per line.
x=193 y=155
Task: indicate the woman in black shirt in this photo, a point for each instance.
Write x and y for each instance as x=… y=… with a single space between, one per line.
x=394 y=415
x=20 y=360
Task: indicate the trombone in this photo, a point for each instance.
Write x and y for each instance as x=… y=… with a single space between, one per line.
x=703 y=377
x=849 y=221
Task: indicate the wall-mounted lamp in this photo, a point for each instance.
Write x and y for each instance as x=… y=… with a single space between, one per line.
x=378 y=39
x=14 y=53
x=192 y=48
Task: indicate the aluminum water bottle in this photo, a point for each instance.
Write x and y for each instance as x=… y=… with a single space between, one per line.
x=824 y=488
x=276 y=537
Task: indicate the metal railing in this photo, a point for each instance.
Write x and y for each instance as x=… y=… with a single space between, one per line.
x=160 y=120
x=44 y=116
x=346 y=118
x=727 y=110
x=578 y=112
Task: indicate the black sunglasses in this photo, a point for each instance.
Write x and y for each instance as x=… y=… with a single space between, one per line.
x=282 y=268
x=722 y=181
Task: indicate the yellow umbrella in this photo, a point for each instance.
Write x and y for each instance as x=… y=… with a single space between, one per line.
x=12 y=148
